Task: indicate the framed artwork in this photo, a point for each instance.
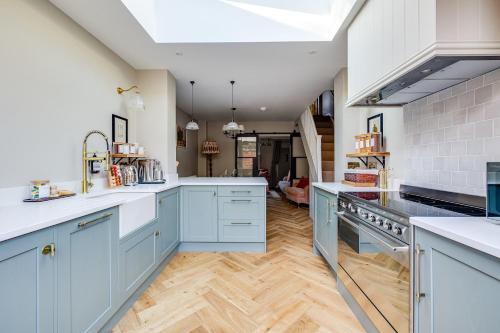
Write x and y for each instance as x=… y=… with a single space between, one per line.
x=376 y=124
x=119 y=128
x=181 y=137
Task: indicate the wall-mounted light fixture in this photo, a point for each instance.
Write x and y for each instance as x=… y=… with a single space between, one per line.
x=133 y=99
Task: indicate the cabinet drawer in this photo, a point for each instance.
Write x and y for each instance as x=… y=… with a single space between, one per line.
x=242 y=231
x=241 y=191
x=241 y=208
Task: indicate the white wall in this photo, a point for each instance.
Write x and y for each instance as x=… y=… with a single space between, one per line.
x=57 y=83
x=352 y=121
x=156 y=127
x=187 y=157
x=225 y=160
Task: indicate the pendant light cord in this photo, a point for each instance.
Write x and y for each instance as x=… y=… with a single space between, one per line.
x=232 y=98
x=192 y=100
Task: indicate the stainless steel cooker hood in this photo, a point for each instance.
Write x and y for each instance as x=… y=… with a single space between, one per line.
x=436 y=74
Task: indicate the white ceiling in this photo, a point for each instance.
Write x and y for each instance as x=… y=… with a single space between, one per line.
x=283 y=76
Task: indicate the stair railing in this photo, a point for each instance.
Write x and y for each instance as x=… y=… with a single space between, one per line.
x=312 y=144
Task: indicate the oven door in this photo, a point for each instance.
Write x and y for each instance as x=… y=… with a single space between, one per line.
x=379 y=265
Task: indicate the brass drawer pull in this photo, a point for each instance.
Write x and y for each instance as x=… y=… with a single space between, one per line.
x=87 y=223
x=241 y=223
x=241 y=191
x=242 y=200
x=49 y=250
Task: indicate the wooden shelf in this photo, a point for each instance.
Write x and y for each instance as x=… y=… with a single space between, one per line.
x=363 y=157
x=372 y=154
x=127 y=155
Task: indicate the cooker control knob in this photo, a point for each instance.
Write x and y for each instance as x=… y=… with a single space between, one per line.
x=343 y=204
x=397 y=230
x=364 y=215
x=380 y=222
x=372 y=218
x=387 y=225
x=352 y=208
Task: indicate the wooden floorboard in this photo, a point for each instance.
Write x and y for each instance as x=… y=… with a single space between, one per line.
x=288 y=289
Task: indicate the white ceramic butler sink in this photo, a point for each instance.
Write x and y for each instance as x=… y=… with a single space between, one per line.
x=136 y=209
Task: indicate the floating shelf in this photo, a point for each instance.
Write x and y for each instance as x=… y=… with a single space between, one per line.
x=363 y=157
x=132 y=157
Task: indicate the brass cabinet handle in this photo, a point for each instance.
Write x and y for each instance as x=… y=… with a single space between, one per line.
x=215 y=194
x=49 y=250
x=242 y=200
x=157 y=233
x=240 y=223
x=418 y=294
x=160 y=201
x=87 y=223
x=241 y=191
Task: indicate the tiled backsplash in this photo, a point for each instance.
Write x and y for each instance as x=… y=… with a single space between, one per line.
x=451 y=134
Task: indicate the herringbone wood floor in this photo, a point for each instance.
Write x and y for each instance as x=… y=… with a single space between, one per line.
x=288 y=289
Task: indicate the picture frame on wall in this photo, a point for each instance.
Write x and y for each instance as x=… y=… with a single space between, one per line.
x=376 y=124
x=119 y=127
x=181 y=137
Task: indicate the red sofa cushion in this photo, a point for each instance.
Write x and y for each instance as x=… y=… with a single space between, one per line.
x=303 y=182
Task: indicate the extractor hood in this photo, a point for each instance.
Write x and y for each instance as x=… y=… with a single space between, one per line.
x=436 y=74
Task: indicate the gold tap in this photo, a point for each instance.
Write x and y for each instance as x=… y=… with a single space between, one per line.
x=89 y=157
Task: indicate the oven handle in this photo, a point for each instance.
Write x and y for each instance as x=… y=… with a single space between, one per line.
x=383 y=242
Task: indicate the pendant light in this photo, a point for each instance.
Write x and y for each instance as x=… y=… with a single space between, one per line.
x=232 y=129
x=192 y=125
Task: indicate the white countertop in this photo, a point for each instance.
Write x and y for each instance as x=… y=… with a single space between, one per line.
x=25 y=217
x=230 y=181
x=335 y=188
x=475 y=232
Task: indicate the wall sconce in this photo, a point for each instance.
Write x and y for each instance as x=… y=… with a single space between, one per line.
x=133 y=100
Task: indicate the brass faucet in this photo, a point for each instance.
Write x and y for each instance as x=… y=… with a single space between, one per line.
x=89 y=157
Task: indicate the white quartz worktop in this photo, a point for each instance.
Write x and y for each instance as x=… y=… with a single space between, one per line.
x=475 y=232
x=230 y=181
x=335 y=188
x=22 y=218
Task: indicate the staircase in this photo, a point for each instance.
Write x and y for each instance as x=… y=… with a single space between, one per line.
x=324 y=127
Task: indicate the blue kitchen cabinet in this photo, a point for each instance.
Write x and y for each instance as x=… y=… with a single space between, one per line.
x=168 y=222
x=199 y=214
x=27 y=282
x=242 y=219
x=325 y=225
x=138 y=258
x=87 y=271
x=459 y=287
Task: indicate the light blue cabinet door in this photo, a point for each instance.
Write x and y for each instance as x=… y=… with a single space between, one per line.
x=87 y=271
x=199 y=215
x=461 y=287
x=168 y=222
x=138 y=258
x=325 y=225
x=27 y=284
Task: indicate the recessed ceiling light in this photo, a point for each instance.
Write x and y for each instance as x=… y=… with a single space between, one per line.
x=312 y=52
x=263 y=108
x=179 y=53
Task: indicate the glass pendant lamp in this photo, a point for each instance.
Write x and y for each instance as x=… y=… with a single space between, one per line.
x=192 y=125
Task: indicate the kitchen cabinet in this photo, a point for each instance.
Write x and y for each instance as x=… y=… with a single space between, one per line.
x=87 y=271
x=242 y=219
x=167 y=205
x=199 y=214
x=459 y=286
x=388 y=38
x=27 y=282
x=138 y=258
x=326 y=225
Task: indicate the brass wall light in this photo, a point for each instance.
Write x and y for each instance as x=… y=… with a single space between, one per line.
x=133 y=99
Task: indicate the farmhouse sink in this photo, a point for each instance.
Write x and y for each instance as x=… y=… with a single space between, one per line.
x=136 y=209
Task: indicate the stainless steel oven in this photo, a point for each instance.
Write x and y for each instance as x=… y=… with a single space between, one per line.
x=373 y=253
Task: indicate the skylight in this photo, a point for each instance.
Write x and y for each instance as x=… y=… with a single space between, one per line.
x=216 y=21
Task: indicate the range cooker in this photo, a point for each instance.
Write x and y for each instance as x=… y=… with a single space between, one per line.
x=374 y=242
